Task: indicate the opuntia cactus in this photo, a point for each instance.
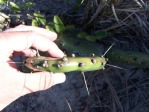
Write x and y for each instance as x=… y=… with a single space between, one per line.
x=66 y=64
x=81 y=47
x=136 y=59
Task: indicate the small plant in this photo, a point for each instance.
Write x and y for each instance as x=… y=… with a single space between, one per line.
x=15 y=8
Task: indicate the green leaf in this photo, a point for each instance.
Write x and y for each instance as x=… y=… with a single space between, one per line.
x=3 y=1
x=14 y=7
x=40 y=18
x=90 y=38
x=27 y=5
x=49 y=28
x=82 y=35
x=59 y=26
x=34 y=22
x=70 y=27
x=102 y=34
x=15 y=10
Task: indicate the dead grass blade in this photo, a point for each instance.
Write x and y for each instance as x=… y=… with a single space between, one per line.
x=86 y=84
x=114 y=94
x=68 y=105
x=145 y=102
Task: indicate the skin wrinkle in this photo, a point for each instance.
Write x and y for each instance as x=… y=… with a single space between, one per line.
x=50 y=82
x=26 y=89
x=27 y=33
x=27 y=40
x=37 y=50
x=24 y=83
x=45 y=82
x=40 y=84
x=41 y=78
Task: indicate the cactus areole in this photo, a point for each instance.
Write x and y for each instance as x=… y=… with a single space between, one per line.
x=65 y=64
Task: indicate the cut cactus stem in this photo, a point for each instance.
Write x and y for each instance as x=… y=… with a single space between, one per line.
x=66 y=64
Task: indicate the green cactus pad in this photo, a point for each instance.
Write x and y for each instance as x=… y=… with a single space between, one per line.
x=73 y=45
x=136 y=59
x=69 y=64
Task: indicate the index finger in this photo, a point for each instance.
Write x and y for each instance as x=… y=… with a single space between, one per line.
x=51 y=35
x=19 y=41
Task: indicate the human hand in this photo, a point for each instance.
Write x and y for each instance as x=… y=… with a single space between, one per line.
x=14 y=83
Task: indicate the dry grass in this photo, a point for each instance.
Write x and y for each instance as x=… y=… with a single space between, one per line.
x=118 y=16
x=116 y=90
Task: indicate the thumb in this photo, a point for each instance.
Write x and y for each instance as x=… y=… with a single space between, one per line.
x=41 y=80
